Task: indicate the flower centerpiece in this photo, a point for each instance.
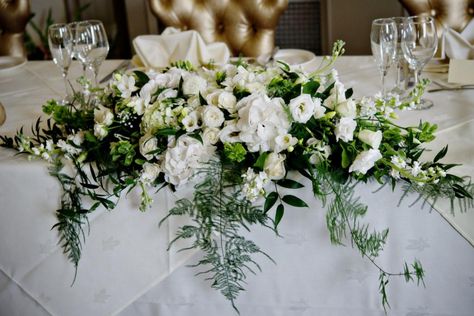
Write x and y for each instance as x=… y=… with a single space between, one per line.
x=238 y=132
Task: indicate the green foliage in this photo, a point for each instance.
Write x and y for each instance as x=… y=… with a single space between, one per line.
x=235 y=152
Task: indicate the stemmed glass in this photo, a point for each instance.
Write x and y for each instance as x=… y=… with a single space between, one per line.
x=399 y=58
x=419 y=43
x=73 y=26
x=92 y=46
x=60 y=45
x=383 y=39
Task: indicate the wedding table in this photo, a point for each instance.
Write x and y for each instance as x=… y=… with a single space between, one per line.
x=126 y=270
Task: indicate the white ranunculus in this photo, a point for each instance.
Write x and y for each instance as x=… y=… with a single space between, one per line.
x=373 y=139
x=184 y=157
x=126 y=86
x=227 y=100
x=212 y=116
x=100 y=131
x=193 y=84
x=283 y=142
x=319 y=110
x=274 y=166
x=147 y=144
x=365 y=160
x=345 y=129
x=191 y=121
x=210 y=135
x=302 y=108
x=103 y=115
x=150 y=172
x=347 y=108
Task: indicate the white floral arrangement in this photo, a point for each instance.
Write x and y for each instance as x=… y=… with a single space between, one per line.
x=238 y=132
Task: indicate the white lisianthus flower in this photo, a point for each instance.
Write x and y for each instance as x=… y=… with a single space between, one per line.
x=184 y=157
x=373 y=139
x=168 y=93
x=191 y=121
x=212 y=98
x=338 y=95
x=302 y=108
x=172 y=77
x=365 y=160
x=319 y=110
x=147 y=144
x=126 y=86
x=193 y=84
x=150 y=172
x=227 y=100
x=210 y=135
x=254 y=184
x=345 y=129
x=347 y=108
x=274 y=166
x=230 y=133
x=147 y=91
x=212 y=116
x=283 y=142
x=100 y=131
x=103 y=116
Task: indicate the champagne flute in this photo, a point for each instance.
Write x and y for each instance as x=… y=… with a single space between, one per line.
x=60 y=45
x=92 y=46
x=383 y=39
x=419 y=43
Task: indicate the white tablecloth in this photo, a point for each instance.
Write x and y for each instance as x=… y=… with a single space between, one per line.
x=126 y=270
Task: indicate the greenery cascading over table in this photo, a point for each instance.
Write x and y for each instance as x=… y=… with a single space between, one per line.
x=238 y=132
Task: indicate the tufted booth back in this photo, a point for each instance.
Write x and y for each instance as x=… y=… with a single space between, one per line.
x=247 y=26
x=14 y=15
x=455 y=14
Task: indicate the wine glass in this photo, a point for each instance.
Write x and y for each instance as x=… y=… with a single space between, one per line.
x=419 y=43
x=92 y=46
x=60 y=45
x=73 y=26
x=383 y=39
x=400 y=61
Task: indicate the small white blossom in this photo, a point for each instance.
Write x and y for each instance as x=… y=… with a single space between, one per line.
x=103 y=116
x=254 y=184
x=126 y=86
x=345 y=129
x=191 y=121
x=100 y=131
x=283 y=142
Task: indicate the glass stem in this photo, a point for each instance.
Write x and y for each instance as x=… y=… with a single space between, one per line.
x=383 y=73
x=66 y=83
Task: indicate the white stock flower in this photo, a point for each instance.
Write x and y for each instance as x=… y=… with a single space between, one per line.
x=254 y=184
x=283 y=142
x=347 y=108
x=147 y=144
x=345 y=129
x=183 y=157
x=103 y=116
x=126 y=86
x=193 y=84
x=371 y=138
x=365 y=160
x=150 y=172
x=302 y=108
x=212 y=116
x=191 y=121
x=100 y=131
x=210 y=135
x=274 y=166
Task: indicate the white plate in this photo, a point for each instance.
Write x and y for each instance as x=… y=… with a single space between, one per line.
x=10 y=62
x=298 y=57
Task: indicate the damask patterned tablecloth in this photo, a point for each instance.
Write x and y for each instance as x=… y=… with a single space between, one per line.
x=126 y=270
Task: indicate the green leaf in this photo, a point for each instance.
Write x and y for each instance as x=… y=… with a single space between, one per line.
x=167 y=131
x=349 y=93
x=261 y=161
x=279 y=214
x=290 y=184
x=142 y=78
x=294 y=201
x=270 y=200
x=441 y=154
x=311 y=87
x=345 y=160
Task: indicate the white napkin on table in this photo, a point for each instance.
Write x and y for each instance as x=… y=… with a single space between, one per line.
x=458 y=45
x=158 y=51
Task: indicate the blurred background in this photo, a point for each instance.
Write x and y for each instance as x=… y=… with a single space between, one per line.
x=307 y=24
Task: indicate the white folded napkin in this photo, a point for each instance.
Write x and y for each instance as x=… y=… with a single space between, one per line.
x=458 y=45
x=158 y=51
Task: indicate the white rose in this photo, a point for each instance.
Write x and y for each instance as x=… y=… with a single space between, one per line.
x=210 y=135
x=212 y=116
x=319 y=110
x=100 y=131
x=345 y=129
x=150 y=172
x=302 y=108
x=347 y=108
x=274 y=166
x=191 y=122
x=193 y=84
x=147 y=144
x=103 y=115
x=365 y=160
x=227 y=100
x=373 y=139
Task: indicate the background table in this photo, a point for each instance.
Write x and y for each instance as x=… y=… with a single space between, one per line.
x=126 y=270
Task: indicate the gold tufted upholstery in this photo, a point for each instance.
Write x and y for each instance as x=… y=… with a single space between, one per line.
x=14 y=15
x=455 y=14
x=247 y=26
